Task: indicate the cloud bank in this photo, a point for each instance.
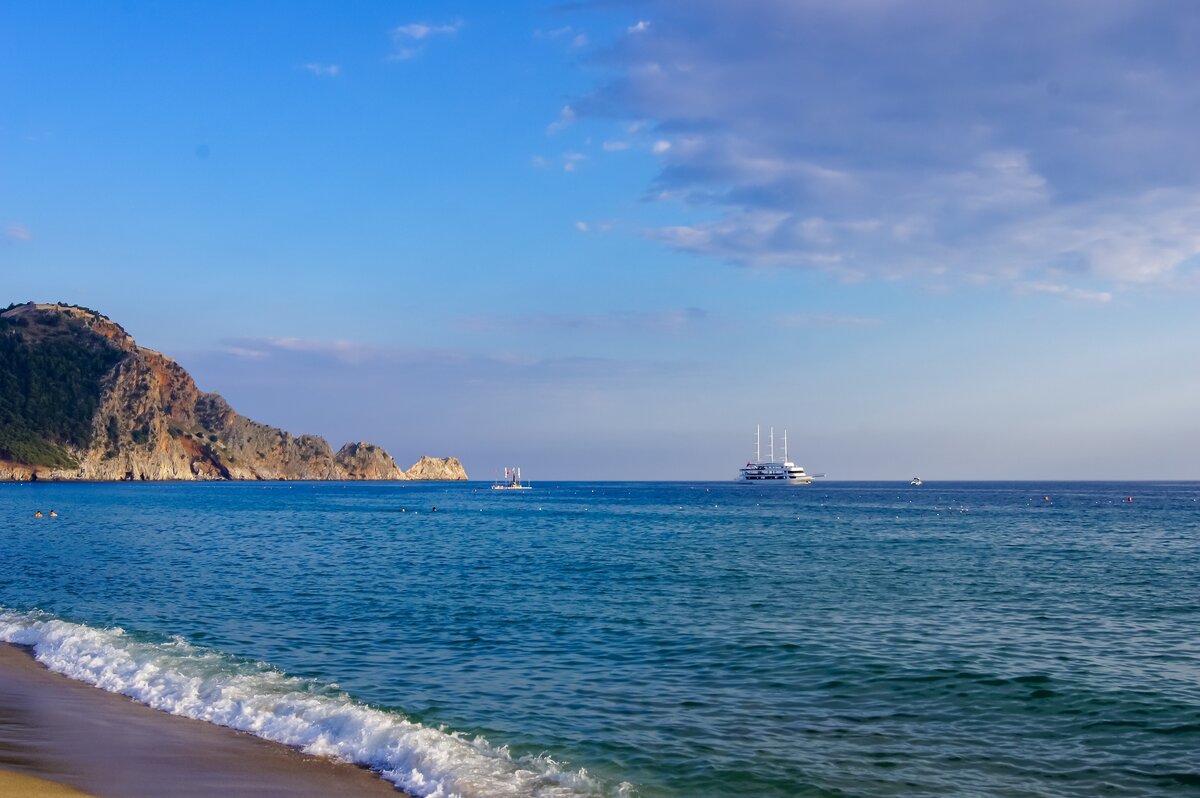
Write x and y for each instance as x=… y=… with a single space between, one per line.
x=1045 y=144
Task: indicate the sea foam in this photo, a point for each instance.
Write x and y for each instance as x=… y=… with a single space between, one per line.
x=183 y=679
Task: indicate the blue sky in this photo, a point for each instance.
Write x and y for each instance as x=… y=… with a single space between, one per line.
x=604 y=240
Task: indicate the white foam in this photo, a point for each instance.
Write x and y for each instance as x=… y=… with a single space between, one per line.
x=183 y=679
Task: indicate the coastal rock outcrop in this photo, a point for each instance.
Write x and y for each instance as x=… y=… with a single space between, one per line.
x=437 y=468
x=364 y=460
x=80 y=400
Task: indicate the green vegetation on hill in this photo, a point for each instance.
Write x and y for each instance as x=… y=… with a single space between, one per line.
x=49 y=393
x=95 y=313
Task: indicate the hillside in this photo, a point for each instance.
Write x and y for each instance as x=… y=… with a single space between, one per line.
x=80 y=400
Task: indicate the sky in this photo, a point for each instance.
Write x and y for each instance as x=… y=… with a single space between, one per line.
x=605 y=240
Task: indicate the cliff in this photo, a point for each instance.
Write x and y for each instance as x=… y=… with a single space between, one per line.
x=437 y=468
x=79 y=399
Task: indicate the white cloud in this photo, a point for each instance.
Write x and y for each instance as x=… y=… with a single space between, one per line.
x=421 y=30
x=641 y=26
x=1151 y=237
x=408 y=38
x=628 y=322
x=571 y=160
x=1032 y=245
x=566 y=117
x=582 y=227
x=245 y=352
x=578 y=38
x=323 y=70
x=661 y=146
x=349 y=351
x=261 y=348
x=553 y=33
x=614 y=146
x=995 y=179
x=316 y=357
x=1068 y=292
x=18 y=232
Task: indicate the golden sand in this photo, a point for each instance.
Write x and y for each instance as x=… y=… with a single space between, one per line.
x=18 y=785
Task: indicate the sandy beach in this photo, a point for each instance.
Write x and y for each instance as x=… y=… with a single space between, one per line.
x=106 y=745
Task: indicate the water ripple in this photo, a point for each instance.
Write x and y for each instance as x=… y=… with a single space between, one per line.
x=695 y=640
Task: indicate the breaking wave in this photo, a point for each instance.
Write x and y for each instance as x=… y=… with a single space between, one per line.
x=194 y=682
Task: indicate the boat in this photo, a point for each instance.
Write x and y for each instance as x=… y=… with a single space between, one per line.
x=511 y=481
x=769 y=470
x=916 y=481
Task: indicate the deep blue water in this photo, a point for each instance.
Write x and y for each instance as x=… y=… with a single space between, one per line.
x=691 y=639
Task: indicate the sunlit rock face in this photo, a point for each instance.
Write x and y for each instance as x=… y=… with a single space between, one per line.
x=87 y=403
x=437 y=468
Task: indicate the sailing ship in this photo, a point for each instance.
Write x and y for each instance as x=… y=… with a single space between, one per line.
x=769 y=470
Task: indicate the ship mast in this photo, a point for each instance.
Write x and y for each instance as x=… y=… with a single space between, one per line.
x=772 y=444
x=785 y=446
x=758 y=443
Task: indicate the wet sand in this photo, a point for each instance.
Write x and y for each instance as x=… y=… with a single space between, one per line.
x=17 y=785
x=112 y=747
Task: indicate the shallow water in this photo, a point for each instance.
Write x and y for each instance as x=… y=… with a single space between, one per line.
x=687 y=639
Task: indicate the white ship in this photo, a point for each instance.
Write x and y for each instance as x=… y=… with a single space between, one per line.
x=759 y=470
x=511 y=481
x=916 y=481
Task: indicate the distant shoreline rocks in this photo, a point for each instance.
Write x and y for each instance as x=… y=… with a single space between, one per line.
x=86 y=403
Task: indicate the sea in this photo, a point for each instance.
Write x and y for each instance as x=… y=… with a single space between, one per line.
x=643 y=639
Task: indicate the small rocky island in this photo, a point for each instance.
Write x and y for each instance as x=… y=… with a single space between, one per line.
x=80 y=400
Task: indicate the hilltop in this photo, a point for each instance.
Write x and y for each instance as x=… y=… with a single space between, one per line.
x=80 y=400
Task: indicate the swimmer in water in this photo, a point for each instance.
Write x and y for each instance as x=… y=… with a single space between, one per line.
x=38 y=514
x=53 y=514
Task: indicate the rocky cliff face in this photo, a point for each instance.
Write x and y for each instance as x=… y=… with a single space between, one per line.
x=437 y=468
x=150 y=422
x=364 y=460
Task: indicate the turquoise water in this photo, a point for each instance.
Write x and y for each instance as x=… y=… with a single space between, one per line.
x=670 y=639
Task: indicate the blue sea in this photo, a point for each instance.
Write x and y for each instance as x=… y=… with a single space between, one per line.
x=643 y=639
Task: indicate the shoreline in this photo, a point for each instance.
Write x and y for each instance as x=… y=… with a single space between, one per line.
x=46 y=480
x=109 y=746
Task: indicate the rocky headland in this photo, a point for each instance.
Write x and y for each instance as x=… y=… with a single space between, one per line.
x=80 y=400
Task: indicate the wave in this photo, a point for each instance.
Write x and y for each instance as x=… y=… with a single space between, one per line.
x=182 y=679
